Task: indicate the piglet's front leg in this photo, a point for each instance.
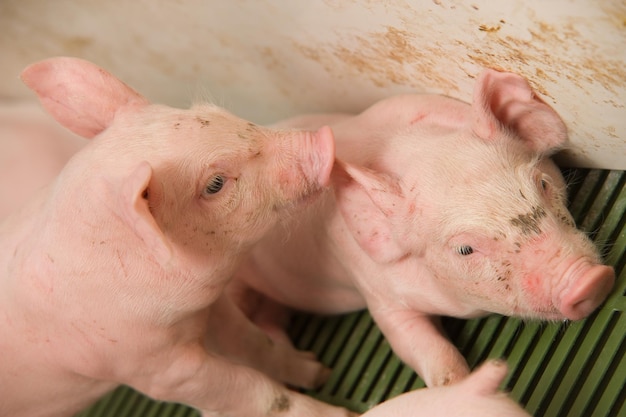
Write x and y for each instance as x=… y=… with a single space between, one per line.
x=419 y=340
x=218 y=387
x=233 y=335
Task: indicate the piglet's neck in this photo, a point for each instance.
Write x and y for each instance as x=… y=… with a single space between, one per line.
x=348 y=264
x=77 y=246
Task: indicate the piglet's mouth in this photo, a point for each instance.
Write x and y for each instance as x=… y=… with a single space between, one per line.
x=305 y=199
x=310 y=197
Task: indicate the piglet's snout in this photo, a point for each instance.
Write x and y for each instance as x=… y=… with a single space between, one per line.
x=310 y=159
x=320 y=153
x=590 y=284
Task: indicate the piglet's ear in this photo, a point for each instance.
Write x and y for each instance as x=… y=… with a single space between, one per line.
x=78 y=94
x=505 y=100
x=368 y=201
x=137 y=213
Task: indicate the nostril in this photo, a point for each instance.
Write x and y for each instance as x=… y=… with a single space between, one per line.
x=587 y=292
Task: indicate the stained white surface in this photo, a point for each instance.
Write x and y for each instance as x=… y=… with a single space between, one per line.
x=266 y=60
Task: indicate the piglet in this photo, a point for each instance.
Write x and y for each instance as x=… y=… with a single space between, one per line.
x=438 y=208
x=33 y=149
x=475 y=396
x=114 y=273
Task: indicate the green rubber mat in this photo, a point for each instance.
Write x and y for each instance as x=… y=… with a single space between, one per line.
x=557 y=369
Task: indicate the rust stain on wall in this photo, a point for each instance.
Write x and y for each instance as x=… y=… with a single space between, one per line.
x=384 y=57
x=545 y=51
x=554 y=52
x=486 y=28
x=77 y=45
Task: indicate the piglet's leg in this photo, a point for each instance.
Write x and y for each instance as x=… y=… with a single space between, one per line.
x=218 y=387
x=272 y=317
x=419 y=340
x=233 y=335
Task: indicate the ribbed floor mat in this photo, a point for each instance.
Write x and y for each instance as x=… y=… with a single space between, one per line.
x=557 y=369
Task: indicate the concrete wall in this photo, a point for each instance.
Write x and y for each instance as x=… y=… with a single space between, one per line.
x=269 y=59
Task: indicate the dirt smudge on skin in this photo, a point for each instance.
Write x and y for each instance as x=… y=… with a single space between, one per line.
x=280 y=404
x=203 y=122
x=529 y=223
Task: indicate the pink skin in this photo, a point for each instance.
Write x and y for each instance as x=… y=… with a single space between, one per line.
x=438 y=208
x=114 y=272
x=27 y=133
x=475 y=396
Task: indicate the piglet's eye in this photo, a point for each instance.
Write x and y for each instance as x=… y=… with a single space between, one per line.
x=464 y=250
x=215 y=184
x=544 y=182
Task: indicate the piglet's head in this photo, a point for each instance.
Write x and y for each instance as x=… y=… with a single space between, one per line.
x=201 y=181
x=515 y=239
x=509 y=243
x=481 y=213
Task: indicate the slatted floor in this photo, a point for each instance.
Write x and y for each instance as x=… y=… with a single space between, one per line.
x=557 y=369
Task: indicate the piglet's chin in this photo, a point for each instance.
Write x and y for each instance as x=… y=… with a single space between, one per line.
x=590 y=285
